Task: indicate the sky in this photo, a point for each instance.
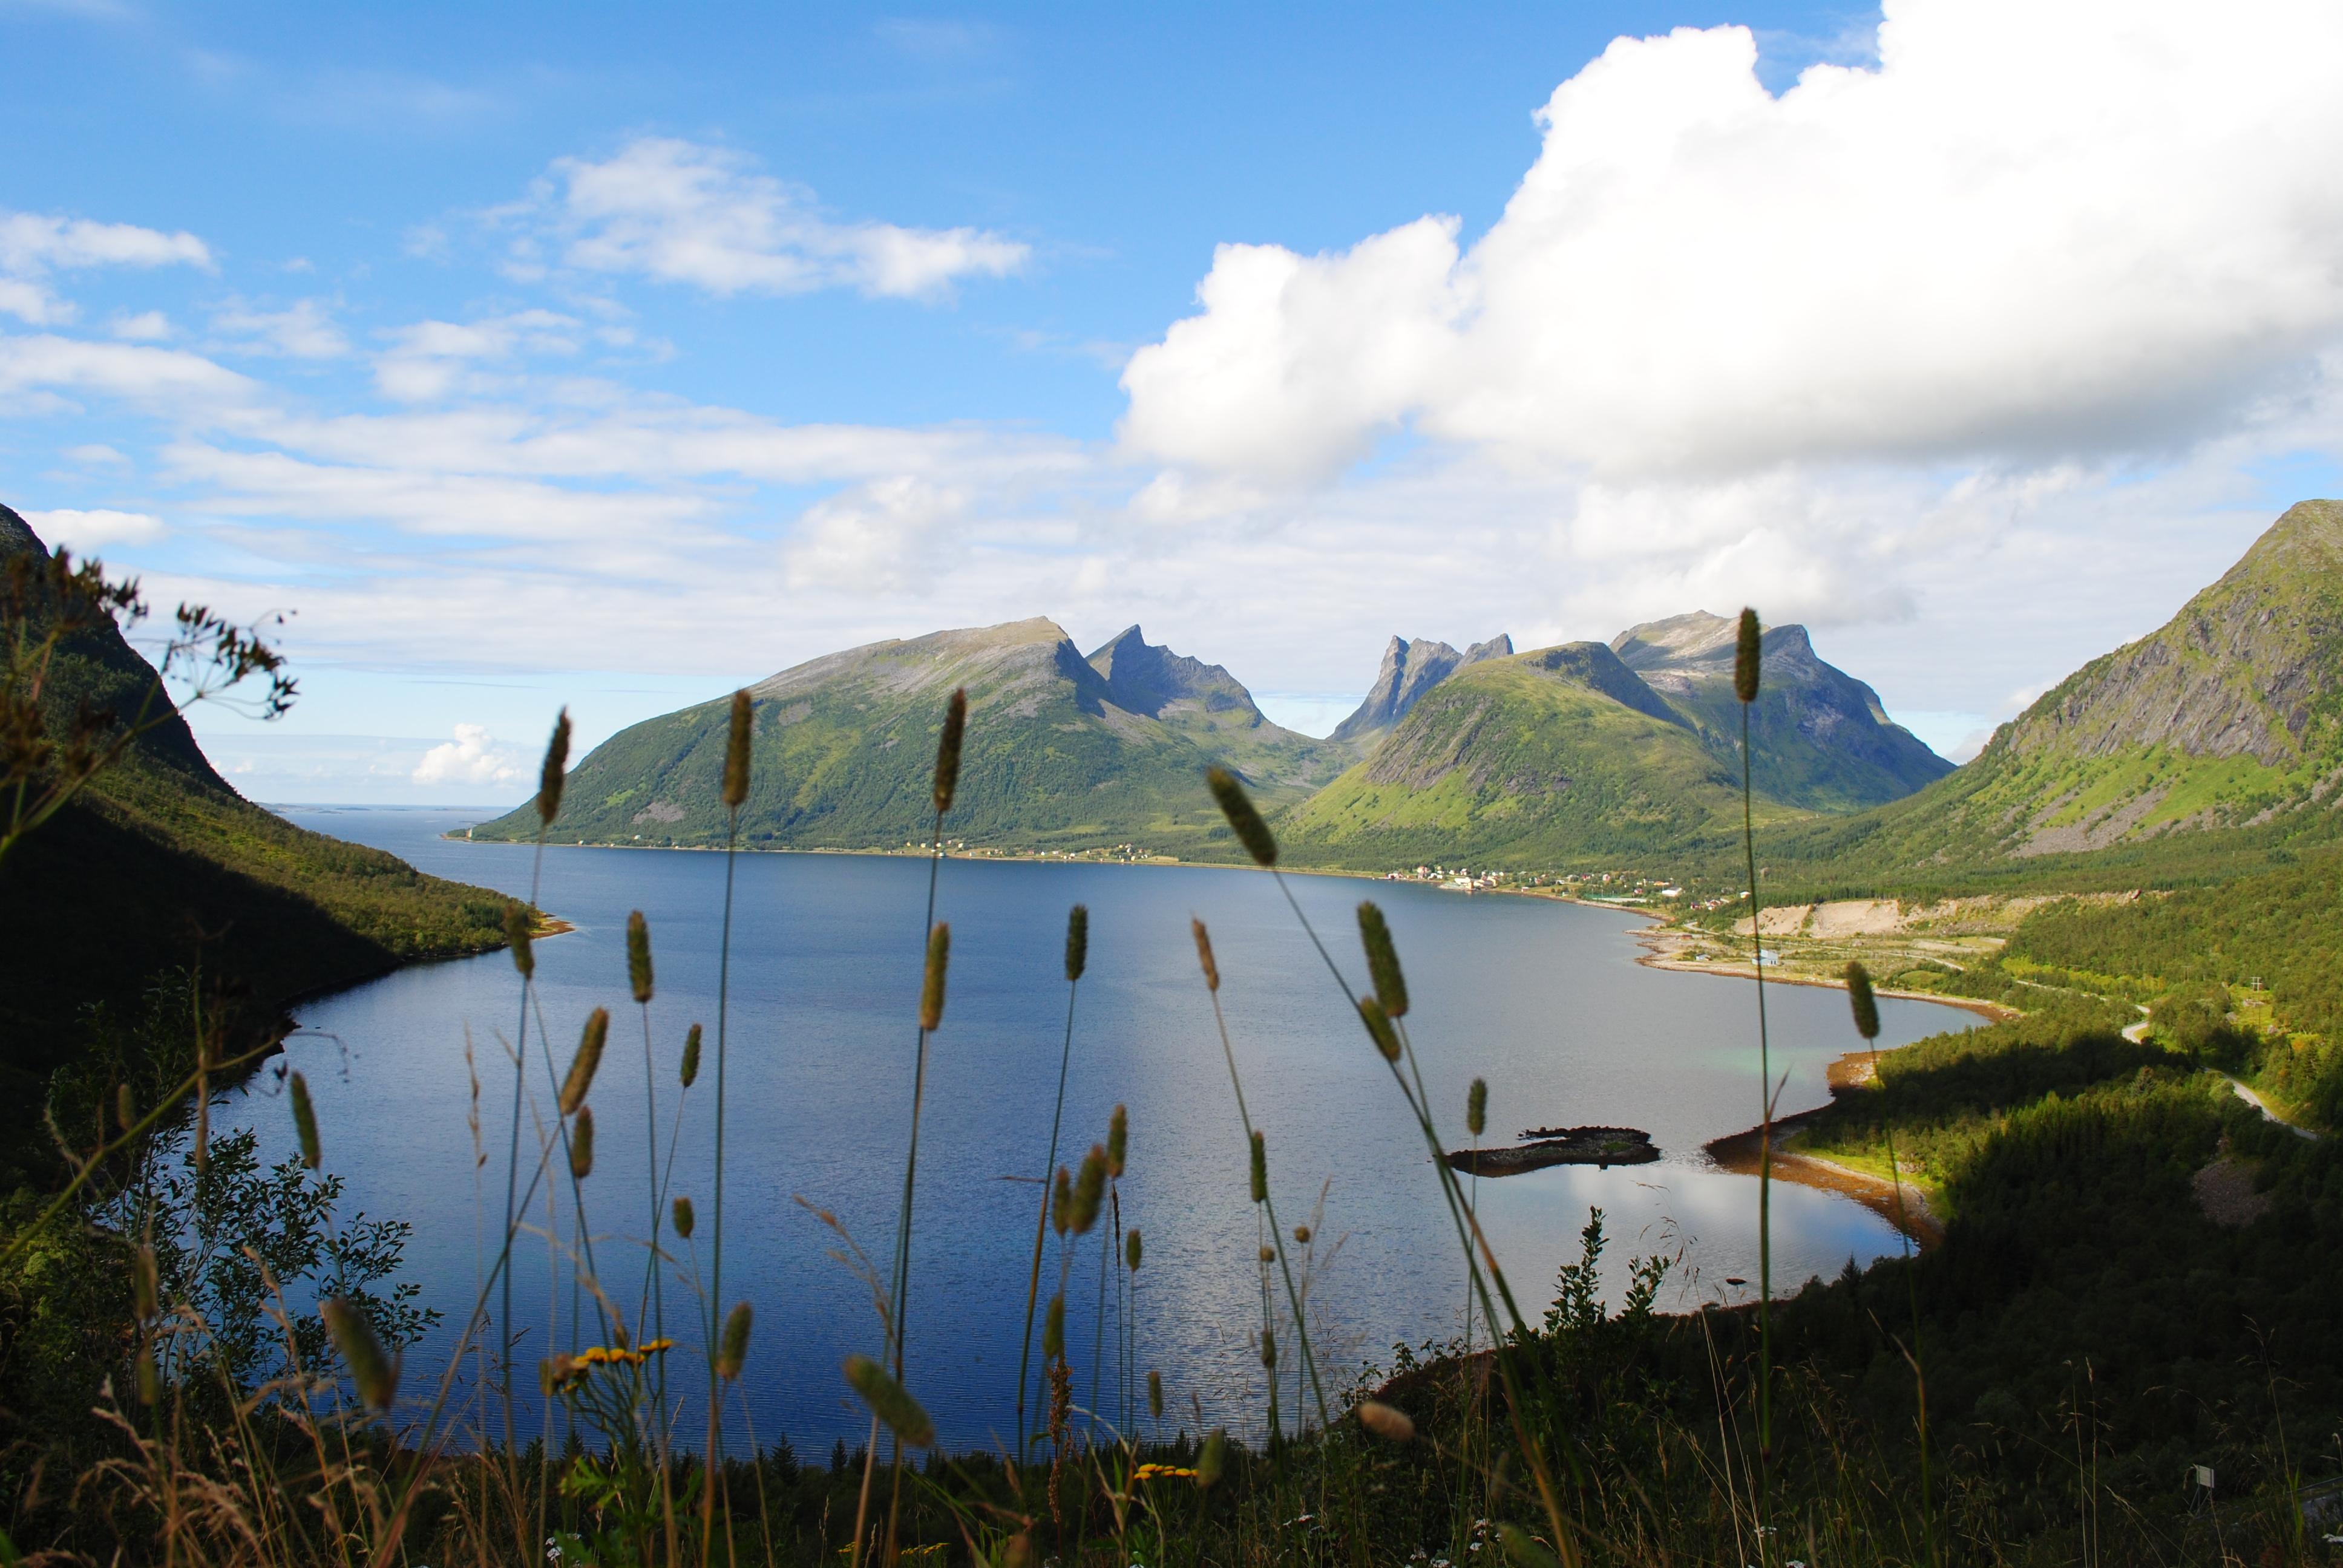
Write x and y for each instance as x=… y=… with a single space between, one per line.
x=525 y=355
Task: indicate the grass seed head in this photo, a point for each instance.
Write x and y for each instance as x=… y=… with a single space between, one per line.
x=1379 y=1027
x=1078 y=940
x=690 y=1056
x=1053 y=1329
x=733 y=1355
x=1865 y=1005
x=1132 y=1252
x=150 y=1383
x=588 y=1059
x=371 y=1368
x=555 y=772
x=1748 y=653
x=1383 y=960
x=639 y=956
x=736 y=750
x=305 y=1121
x=145 y=1296
x=1205 y=955
x=1477 y=1107
x=1244 y=819
x=126 y=1107
x=1259 y=1167
x=1268 y=1254
x=1090 y=1191
x=1385 y=1421
x=932 y=986
x=684 y=1218
x=520 y=929
x=1213 y=1460
x=1061 y=1200
x=1155 y=1394
x=947 y=745
x=1118 y=1142
x=1302 y=1234
x=581 y=1143
x=1269 y=1342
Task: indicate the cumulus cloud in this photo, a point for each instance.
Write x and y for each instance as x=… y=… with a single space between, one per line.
x=891 y=536
x=2029 y=232
x=683 y=213
x=84 y=532
x=40 y=363
x=474 y=757
x=33 y=245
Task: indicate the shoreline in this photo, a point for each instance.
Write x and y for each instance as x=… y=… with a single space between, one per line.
x=1737 y=1154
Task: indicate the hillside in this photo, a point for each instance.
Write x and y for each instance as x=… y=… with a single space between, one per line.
x=1061 y=751
x=1818 y=737
x=160 y=865
x=1409 y=670
x=1553 y=758
x=2205 y=747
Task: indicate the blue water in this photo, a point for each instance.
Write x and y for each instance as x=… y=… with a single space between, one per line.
x=1543 y=999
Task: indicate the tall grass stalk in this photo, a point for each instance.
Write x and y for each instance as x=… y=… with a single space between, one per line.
x=740 y=732
x=1392 y=1041
x=1211 y=970
x=1078 y=940
x=1748 y=660
x=1865 y=1006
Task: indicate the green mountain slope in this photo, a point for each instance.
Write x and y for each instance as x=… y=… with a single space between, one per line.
x=2203 y=749
x=1818 y=737
x=1558 y=758
x=1061 y=751
x=1409 y=670
x=159 y=865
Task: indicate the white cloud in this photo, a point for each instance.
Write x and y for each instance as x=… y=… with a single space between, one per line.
x=891 y=536
x=33 y=245
x=303 y=331
x=86 y=532
x=683 y=213
x=146 y=327
x=472 y=758
x=46 y=362
x=2032 y=231
x=429 y=359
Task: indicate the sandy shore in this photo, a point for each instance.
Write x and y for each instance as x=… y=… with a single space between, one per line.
x=1912 y=1215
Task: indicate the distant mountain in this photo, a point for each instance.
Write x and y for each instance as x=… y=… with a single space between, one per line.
x=159 y=865
x=2220 y=732
x=1409 y=670
x=1061 y=751
x=1818 y=736
x=1557 y=757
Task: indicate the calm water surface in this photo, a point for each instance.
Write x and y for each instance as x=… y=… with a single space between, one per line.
x=1543 y=999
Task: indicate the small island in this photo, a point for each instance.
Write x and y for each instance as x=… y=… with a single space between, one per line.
x=1543 y=1146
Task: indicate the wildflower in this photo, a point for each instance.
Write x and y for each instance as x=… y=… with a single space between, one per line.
x=1152 y=1472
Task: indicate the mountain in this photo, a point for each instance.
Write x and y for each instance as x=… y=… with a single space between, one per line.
x=2217 y=736
x=1817 y=737
x=1061 y=751
x=1409 y=670
x=1562 y=757
x=159 y=865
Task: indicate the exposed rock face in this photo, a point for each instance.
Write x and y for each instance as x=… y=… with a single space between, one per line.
x=1147 y=678
x=2241 y=671
x=1409 y=670
x=1818 y=736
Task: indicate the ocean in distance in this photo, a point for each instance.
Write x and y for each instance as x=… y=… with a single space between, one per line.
x=1543 y=999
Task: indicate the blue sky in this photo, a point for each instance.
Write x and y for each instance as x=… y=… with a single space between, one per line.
x=613 y=357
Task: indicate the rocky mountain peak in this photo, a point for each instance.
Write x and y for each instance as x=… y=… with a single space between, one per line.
x=1146 y=678
x=1409 y=670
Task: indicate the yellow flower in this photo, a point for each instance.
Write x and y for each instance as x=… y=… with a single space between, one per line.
x=1155 y=1471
